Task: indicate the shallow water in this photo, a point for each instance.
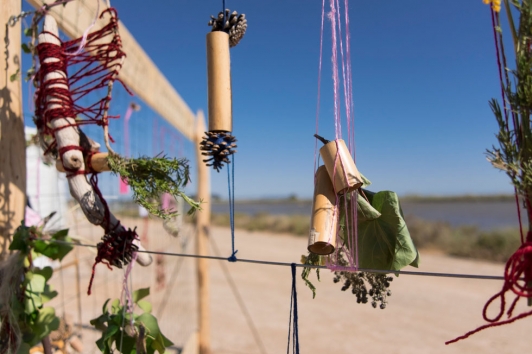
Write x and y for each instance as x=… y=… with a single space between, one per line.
x=483 y=214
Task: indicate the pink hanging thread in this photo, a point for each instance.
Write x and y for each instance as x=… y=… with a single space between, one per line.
x=124 y=188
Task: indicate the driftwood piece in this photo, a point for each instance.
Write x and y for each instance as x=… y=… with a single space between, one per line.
x=80 y=188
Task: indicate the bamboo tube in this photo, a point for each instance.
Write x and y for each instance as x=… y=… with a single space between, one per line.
x=345 y=175
x=219 y=82
x=98 y=163
x=322 y=235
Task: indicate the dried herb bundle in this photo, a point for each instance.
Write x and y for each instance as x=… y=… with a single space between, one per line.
x=150 y=177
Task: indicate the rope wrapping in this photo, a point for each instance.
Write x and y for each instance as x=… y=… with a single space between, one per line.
x=81 y=69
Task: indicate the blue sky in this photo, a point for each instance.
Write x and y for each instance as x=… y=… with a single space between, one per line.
x=423 y=72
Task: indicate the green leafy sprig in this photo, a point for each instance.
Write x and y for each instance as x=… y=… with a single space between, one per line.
x=130 y=332
x=149 y=178
x=514 y=153
x=313 y=260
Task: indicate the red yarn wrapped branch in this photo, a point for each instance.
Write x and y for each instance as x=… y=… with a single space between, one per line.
x=94 y=68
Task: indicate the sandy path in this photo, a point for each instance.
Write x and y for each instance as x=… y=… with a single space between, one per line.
x=421 y=315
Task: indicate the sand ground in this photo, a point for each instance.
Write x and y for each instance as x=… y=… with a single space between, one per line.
x=422 y=313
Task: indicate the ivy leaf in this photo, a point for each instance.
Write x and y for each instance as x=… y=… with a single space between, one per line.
x=28 y=32
x=26 y=48
x=110 y=331
x=115 y=306
x=45 y=323
x=46 y=272
x=140 y=294
x=144 y=306
x=36 y=283
x=48 y=294
x=20 y=240
x=60 y=235
x=14 y=77
x=150 y=322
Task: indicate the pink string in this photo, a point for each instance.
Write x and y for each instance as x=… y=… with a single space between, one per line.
x=83 y=42
x=334 y=58
x=319 y=86
x=125 y=288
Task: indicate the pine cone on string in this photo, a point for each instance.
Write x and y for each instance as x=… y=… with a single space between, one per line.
x=235 y=25
x=117 y=248
x=219 y=145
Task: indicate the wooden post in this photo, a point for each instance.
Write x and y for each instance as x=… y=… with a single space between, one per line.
x=12 y=140
x=202 y=227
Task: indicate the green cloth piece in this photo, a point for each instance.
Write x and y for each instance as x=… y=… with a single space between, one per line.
x=383 y=238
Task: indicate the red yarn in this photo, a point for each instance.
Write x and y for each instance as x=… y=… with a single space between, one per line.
x=116 y=248
x=91 y=71
x=517 y=278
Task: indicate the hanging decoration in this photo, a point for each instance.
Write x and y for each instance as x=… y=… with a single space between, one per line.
x=513 y=155
x=361 y=229
x=93 y=63
x=219 y=143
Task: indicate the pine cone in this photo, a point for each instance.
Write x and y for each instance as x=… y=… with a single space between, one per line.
x=219 y=146
x=235 y=25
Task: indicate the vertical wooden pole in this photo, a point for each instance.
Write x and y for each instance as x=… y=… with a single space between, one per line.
x=12 y=141
x=202 y=227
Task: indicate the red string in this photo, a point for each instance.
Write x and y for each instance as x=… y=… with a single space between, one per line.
x=90 y=71
x=518 y=270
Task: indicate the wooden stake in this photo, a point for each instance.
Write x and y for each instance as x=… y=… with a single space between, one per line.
x=202 y=227
x=98 y=163
x=219 y=82
x=12 y=141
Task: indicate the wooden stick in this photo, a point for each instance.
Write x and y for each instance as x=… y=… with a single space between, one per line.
x=12 y=142
x=80 y=188
x=219 y=82
x=98 y=162
x=202 y=227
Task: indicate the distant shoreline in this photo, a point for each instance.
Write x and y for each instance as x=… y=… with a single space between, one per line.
x=404 y=198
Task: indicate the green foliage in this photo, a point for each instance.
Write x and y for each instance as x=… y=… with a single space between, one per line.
x=27 y=304
x=384 y=241
x=130 y=332
x=314 y=260
x=149 y=178
x=514 y=153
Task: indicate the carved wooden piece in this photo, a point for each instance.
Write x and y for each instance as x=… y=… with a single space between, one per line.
x=219 y=82
x=341 y=167
x=79 y=187
x=98 y=162
x=324 y=220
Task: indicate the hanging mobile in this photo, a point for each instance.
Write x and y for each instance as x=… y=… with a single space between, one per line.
x=227 y=31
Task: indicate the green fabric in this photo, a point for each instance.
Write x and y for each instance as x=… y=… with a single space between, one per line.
x=383 y=238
